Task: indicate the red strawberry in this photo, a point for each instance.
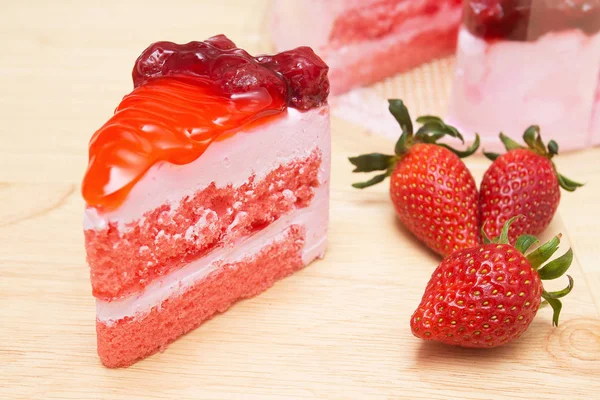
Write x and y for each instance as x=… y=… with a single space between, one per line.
x=487 y=296
x=522 y=181
x=432 y=190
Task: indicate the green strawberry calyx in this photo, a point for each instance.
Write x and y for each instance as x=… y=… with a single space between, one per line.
x=552 y=270
x=534 y=142
x=432 y=129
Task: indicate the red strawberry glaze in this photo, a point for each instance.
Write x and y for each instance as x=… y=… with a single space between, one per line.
x=299 y=74
x=187 y=96
x=172 y=119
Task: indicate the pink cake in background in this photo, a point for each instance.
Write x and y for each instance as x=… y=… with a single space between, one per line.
x=209 y=184
x=595 y=124
x=523 y=62
x=364 y=41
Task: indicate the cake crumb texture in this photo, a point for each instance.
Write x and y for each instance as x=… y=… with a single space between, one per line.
x=165 y=239
x=127 y=340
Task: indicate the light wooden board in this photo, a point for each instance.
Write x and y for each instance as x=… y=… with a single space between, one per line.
x=336 y=330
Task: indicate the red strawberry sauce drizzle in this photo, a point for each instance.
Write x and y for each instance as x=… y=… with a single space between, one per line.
x=527 y=20
x=187 y=96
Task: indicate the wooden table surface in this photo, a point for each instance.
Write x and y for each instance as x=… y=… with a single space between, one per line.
x=336 y=330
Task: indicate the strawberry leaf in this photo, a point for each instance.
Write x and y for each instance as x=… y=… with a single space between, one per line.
x=491 y=156
x=371 y=162
x=558 y=267
x=435 y=125
x=524 y=242
x=400 y=147
x=544 y=252
x=433 y=137
x=509 y=144
x=464 y=153
x=530 y=136
x=556 y=306
x=484 y=236
x=400 y=112
x=552 y=148
x=568 y=184
x=425 y=119
x=373 y=181
x=561 y=293
x=503 y=237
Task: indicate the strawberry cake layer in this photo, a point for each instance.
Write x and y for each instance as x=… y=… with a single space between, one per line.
x=208 y=184
x=515 y=70
x=364 y=41
x=140 y=325
x=179 y=212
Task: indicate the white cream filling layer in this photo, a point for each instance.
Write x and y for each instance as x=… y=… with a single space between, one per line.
x=256 y=151
x=314 y=218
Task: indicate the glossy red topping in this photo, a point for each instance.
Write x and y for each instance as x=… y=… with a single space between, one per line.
x=529 y=19
x=299 y=74
x=173 y=119
x=186 y=97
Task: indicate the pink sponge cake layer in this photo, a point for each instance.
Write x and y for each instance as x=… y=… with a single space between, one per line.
x=125 y=261
x=209 y=184
x=140 y=325
x=364 y=41
x=129 y=339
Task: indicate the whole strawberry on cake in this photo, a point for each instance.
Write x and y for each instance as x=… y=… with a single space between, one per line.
x=208 y=184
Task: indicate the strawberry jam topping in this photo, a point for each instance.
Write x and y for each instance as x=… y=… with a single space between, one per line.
x=298 y=74
x=186 y=97
x=527 y=20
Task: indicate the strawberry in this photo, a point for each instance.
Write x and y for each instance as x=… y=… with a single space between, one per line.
x=432 y=191
x=488 y=295
x=522 y=181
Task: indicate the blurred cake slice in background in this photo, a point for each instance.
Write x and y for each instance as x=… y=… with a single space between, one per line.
x=364 y=41
x=528 y=62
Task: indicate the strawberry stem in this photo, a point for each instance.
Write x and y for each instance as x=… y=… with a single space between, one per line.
x=432 y=129
x=554 y=269
x=534 y=141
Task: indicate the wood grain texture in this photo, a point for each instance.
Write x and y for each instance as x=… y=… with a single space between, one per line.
x=337 y=330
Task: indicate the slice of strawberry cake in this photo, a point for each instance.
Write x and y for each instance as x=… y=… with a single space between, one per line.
x=364 y=41
x=208 y=184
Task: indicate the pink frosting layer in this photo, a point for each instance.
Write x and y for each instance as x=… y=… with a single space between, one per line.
x=313 y=219
x=233 y=161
